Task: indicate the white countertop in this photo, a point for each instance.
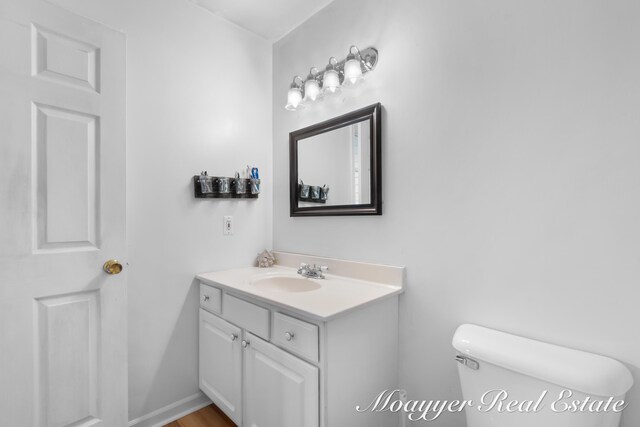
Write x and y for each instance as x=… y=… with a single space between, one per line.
x=337 y=294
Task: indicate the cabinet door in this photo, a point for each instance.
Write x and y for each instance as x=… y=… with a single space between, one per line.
x=221 y=364
x=280 y=389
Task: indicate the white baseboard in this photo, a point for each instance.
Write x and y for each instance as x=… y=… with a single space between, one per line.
x=172 y=412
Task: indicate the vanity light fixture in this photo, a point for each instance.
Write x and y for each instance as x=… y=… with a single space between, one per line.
x=348 y=72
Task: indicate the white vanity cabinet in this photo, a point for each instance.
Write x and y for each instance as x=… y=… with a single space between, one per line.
x=266 y=365
x=271 y=376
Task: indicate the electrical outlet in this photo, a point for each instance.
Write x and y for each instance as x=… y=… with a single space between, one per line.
x=227 y=225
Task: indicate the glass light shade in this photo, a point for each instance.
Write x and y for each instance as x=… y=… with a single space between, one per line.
x=331 y=82
x=352 y=72
x=294 y=98
x=311 y=90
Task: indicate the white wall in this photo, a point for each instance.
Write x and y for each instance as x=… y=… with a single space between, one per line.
x=521 y=120
x=198 y=97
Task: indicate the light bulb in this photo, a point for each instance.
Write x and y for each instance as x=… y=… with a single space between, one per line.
x=294 y=98
x=331 y=82
x=352 y=72
x=311 y=90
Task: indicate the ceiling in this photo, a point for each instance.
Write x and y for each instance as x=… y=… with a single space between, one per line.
x=270 y=19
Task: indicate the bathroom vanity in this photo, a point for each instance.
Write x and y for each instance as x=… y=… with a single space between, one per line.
x=279 y=349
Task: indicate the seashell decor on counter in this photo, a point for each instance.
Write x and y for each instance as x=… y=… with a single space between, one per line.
x=266 y=259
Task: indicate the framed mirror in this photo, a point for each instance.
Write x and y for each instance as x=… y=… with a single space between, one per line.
x=336 y=166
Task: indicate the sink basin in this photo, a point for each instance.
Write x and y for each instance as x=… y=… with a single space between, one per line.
x=285 y=284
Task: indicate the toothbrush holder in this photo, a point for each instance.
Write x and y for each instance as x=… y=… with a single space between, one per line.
x=304 y=191
x=315 y=192
x=241 y=185
x=206 y=184
x=224 y=185
x=324 y=193
x=255 y=186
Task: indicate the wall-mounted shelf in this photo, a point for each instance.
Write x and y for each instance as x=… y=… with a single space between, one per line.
x=310 y=200
x=217 y=195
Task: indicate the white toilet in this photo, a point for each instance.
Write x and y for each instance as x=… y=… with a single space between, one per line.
x=519 y=382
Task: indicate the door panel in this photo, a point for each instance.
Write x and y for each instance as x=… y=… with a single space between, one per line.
x=65 y=59
x=67 y=358
x=221 y=364
x=281 y=390
x=62 y=215
x=66 y=190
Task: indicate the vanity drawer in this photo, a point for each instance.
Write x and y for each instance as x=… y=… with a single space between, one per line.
x=210 y=298
x=296 y=336
x=246 y=315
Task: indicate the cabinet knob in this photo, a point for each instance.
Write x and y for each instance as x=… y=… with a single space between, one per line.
x=288 y=336
x=234 y=337
x=205 y=298
x=245 y=343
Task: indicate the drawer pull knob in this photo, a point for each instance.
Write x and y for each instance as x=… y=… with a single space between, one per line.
x=245 y=343
x=288 y=336
x=205 y=298
x=234 y=337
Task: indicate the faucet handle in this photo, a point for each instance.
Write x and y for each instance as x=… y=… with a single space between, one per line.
x=324 y=268
x=304 y=267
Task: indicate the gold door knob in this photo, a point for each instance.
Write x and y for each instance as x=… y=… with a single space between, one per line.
x=112 y=266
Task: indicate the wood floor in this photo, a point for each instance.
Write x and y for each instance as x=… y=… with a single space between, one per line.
x=209 y=416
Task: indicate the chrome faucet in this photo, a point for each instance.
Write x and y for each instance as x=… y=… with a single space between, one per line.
x=315 y=272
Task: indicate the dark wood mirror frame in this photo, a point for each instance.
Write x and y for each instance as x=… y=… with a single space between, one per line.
x=372 y=113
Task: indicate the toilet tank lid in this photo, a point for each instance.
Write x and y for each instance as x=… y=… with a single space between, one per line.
x=577 y=370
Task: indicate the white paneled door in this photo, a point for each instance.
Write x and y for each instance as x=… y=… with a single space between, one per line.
x=62 y=215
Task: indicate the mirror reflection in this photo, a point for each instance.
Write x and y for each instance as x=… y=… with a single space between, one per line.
x=334 y=168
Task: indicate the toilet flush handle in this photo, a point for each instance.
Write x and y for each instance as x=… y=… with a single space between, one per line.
x=468 y=362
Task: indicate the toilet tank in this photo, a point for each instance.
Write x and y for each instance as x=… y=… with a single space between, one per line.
x=511 y=381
